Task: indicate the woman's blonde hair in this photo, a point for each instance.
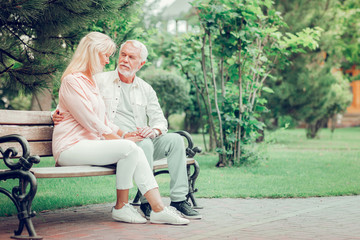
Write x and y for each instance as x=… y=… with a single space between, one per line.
x=86 y=55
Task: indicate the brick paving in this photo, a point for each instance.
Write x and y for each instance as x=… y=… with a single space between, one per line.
x=291 y=218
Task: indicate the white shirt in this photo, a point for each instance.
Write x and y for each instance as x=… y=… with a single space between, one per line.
x=124 y=116
x=143 y=100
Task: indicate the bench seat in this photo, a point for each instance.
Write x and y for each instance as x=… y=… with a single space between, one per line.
x=88 y=171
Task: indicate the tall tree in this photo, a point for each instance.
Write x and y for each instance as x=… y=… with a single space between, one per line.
x=240 y=44
x=38 y=36
x=308 y=90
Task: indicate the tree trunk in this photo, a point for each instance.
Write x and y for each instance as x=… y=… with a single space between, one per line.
x=212 y=131
x=238 y=142
x=41 y=100
x=192 y=122
x=312 y=129
x=220 y=141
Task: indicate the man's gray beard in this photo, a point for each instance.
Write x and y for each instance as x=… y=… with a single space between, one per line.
x=126 y=73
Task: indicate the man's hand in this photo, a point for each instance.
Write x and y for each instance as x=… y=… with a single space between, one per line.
x=147 y=132
x=57 y=117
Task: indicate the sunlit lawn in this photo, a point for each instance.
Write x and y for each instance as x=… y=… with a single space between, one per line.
x=296 y=167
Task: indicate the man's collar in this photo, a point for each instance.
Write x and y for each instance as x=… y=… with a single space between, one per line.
x=115 y=76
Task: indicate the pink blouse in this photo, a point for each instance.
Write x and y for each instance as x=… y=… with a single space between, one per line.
x=84 y=114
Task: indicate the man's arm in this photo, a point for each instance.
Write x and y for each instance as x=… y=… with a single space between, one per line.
x=157 y=120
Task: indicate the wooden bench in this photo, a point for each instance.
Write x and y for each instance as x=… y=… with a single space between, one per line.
x=25 y=132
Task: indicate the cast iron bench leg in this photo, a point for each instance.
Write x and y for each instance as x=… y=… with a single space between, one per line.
x=22 y=201
x=192 y=179
x=19 y=195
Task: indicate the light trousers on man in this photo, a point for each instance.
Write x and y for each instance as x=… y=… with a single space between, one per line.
x=170 y=146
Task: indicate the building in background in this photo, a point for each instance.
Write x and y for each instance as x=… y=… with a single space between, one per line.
x=352 y=116
x=176 y=18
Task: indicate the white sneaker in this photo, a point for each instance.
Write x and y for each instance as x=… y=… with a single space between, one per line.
x=168 y=216
x=127 y=214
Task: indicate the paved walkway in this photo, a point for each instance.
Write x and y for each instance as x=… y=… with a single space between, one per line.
x=293 y=218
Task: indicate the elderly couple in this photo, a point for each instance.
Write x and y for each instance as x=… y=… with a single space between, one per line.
x=115 y=117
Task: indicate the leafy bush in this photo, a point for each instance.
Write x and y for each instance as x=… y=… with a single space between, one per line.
x=171 y=89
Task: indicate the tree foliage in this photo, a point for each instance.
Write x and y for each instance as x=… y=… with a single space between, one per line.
x=38 y=38
x=305 y=90
x=171 y=89
x=238 y=47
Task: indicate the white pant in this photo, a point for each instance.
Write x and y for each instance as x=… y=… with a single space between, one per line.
x=130 y=161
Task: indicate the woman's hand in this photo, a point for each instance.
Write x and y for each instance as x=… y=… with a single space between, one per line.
x=133 y=136
x=111 y=136
x=57 y=117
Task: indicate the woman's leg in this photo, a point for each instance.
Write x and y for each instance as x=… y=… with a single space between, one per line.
x=146 y=182
x=154 y=199
x=122 y=198
x=126 y=154
x=131 y=163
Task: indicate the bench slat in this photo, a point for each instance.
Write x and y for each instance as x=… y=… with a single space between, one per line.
x=41 y=149
x=25 y=117
x=88 y=171
x=162 y=163
x=72 y=171
x=31 y=133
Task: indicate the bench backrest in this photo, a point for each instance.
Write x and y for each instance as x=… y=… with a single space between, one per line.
x=35 y=126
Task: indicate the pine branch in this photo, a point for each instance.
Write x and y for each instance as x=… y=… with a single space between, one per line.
x=125 y=5
x=31 y=73
x=6 y=69
x=11 y=56
x=27 y=45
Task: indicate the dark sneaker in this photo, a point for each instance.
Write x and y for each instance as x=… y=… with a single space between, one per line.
x=146 y=208
x=186 y=210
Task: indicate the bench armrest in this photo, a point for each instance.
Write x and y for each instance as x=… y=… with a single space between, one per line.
x=25 y=161
x=190 y=149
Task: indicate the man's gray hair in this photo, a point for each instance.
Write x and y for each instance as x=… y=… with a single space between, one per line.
x=143 y=50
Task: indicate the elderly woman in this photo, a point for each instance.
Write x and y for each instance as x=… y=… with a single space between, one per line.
x=86 y=137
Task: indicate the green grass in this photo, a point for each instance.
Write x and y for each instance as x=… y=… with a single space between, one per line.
x=297 y=167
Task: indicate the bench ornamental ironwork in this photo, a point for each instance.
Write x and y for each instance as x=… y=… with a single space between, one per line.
x=19 y=195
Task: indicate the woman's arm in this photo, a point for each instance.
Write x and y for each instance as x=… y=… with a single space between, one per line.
x=74 y=98
x=111 y=136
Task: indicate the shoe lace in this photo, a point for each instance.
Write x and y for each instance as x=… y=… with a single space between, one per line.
x=174 y=211
x=187 y=203
x=131 y=208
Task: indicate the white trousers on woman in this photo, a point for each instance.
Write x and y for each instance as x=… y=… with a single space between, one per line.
x=130 y=161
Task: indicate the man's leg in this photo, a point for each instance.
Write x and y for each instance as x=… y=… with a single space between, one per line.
x=171 y=146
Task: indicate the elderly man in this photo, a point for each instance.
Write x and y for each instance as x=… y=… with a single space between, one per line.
x=132 y=104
